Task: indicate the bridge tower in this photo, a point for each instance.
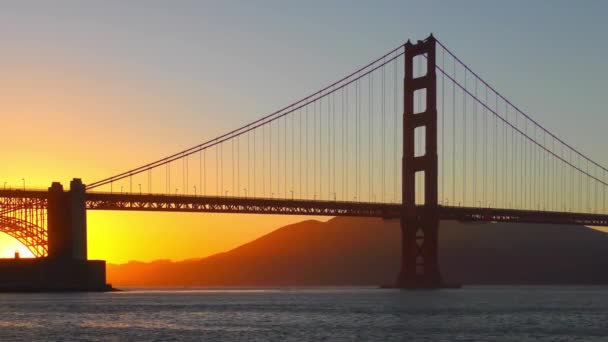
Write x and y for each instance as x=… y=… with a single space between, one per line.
x=67 y=222
x=419 y=224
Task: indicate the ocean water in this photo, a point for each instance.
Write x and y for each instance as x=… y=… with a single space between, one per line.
x=535 y=313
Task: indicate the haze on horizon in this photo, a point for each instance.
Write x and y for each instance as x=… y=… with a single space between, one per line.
x=91 y=90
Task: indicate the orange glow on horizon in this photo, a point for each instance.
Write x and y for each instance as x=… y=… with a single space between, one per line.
x=120 y=237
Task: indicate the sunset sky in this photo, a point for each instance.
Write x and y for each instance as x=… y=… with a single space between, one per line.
x=90 y=89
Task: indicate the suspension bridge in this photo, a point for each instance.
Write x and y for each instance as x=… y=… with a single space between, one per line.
x=415 y=135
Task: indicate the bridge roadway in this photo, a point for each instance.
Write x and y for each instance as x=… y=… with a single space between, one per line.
x=252 y=205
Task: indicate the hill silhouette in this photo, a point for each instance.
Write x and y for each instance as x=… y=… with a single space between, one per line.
x=365 y=251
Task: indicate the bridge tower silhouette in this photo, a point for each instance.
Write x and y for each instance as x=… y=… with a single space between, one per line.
x=420 y=225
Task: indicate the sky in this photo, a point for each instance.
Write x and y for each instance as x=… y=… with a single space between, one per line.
x=90 y=89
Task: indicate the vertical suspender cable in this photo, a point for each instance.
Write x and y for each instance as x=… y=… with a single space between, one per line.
x=485 y=147
x=344 y=142
x=474 y=173
x=254 y=164
x=528 y=188
x=330 y=145
x=517 y=187
x=270 y=158
x=333 y=145
x=356 y=141
x=238 y=165
x=513 y=164
x=222 y=168
x=454 y=133
x=279 y=156
x=371 y=137
x=383 y=134
x=232 y=167
x=320 y=158
x=263 y=161
x=307 y=159
x=314 y=169
x=293 y=167
x=264 y=175
x=464 y=141
x=320 y=148
x=505 y=149
x=205 y=171
x=442 y=128
x=217 y=170
x=395 y=142
x=249 y=167
x=329 y=150
x=495 y=141
x=300 y=159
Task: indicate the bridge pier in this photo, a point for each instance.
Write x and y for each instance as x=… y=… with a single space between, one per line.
x=419 y=224
x=66 y=267
x=67 y=221
x=419 y=252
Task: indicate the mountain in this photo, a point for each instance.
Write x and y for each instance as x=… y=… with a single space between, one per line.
x=365 y=251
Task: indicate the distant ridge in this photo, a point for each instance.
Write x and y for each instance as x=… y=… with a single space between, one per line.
x=365 y=251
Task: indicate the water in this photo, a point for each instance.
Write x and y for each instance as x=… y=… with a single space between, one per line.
x=332 y=314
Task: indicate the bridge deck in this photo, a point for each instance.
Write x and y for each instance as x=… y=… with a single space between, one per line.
x=145 y=202
x=249 y=205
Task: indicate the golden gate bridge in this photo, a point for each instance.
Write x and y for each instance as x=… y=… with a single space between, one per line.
x=415 y=135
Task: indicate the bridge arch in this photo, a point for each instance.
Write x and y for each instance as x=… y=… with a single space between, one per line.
x=32 y=236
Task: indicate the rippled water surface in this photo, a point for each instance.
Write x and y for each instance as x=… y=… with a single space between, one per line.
x=336 y=314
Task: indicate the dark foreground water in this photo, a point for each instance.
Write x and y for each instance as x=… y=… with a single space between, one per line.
x=337 y=314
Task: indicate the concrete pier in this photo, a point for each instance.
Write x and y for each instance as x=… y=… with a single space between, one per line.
x=66 y=268
x=44 y=274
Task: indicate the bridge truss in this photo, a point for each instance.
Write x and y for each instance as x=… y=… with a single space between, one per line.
x=23 y=217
